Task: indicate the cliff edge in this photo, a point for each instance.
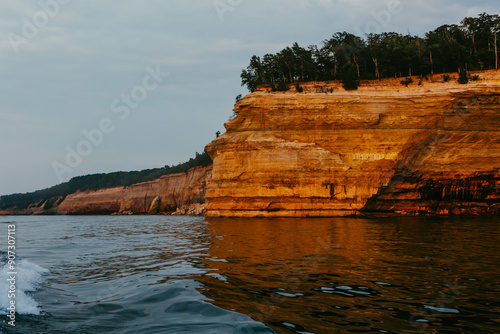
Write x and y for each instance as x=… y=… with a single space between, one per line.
x=432 y=148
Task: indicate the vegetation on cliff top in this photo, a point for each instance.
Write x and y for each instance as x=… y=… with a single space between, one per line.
x=99 y=181
x=472 y=45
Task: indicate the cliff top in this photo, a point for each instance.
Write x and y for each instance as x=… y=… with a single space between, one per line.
x=431 y=85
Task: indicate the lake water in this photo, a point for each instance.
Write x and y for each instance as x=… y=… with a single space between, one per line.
x=162 y=274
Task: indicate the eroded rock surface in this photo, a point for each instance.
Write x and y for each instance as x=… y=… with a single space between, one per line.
x=429 y=149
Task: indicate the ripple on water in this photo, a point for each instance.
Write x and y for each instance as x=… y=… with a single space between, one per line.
x=348 y=291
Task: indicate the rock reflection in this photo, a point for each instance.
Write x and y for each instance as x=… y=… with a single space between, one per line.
x=320 y=275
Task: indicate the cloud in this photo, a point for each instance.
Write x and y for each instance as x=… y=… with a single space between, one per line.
x=222 y=46
x=174 y=61
x=10 y=117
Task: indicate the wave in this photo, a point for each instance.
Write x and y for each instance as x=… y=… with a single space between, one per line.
x=176 y=307
x=28 y=279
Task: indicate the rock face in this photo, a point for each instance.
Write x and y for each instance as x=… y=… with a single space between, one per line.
x=427 y=149
x=155 y=206
x=166 y=194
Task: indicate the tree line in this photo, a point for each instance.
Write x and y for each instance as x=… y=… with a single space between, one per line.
x=470 y=46
x=99 y=181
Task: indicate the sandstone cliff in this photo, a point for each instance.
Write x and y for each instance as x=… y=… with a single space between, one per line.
x=425 y=149
x=169 y=193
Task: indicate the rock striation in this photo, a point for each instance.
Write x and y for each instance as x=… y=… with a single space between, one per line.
x=432 y=148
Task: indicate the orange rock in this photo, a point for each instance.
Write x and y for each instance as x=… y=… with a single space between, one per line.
x=381 y=148
x=170 y=192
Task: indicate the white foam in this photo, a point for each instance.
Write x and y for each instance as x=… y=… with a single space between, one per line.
x=382 y=283
x=442 y=309
x=29 y=277
x=285 y=294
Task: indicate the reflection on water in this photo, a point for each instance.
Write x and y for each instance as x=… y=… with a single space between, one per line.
x=343 y=275
x=157 y=274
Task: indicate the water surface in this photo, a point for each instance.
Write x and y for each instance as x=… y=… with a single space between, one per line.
x=167 y=274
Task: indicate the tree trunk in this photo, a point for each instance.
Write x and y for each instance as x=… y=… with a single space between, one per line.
x=496 y=51
x=302 y=68
x=432 y=65
x=357 y=66
x=377 y=73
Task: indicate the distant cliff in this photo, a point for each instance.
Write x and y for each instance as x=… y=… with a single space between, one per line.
x=168 y=194
x=430 y=148
x=182 y=193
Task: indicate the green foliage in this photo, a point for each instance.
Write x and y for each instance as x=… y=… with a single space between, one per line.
x=350 y=78
x=408 y=81
x=239 y=98
x=202 y=160
x=299 y=88
x=233 y=115
x=282 y=87
x=462 y=77
x=446 y=77
x=385 y=55
x=252 y=76
x=98 y=181
x=475 y=78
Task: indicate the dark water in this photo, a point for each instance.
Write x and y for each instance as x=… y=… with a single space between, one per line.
x=187 y=275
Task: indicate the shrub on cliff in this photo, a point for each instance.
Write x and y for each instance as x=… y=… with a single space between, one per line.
x=282 y=87
x=408 y=81
x=462 y=77
x=350 y=78
x=446 y=77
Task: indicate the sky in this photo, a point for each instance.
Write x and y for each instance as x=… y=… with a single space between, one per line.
x=103 y=86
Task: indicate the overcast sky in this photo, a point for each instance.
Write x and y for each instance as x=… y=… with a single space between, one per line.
x=89 y=77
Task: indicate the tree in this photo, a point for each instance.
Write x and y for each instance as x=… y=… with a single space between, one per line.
x=471 y=45
x=496 y=29
x=375 y=50
x=391 y=48
x=482 y=32
x=448 y=46
x=286 y=59
x=252 y=76
x=346 y=48
x=470 y=25
x=350 y=77
x=462 y=77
